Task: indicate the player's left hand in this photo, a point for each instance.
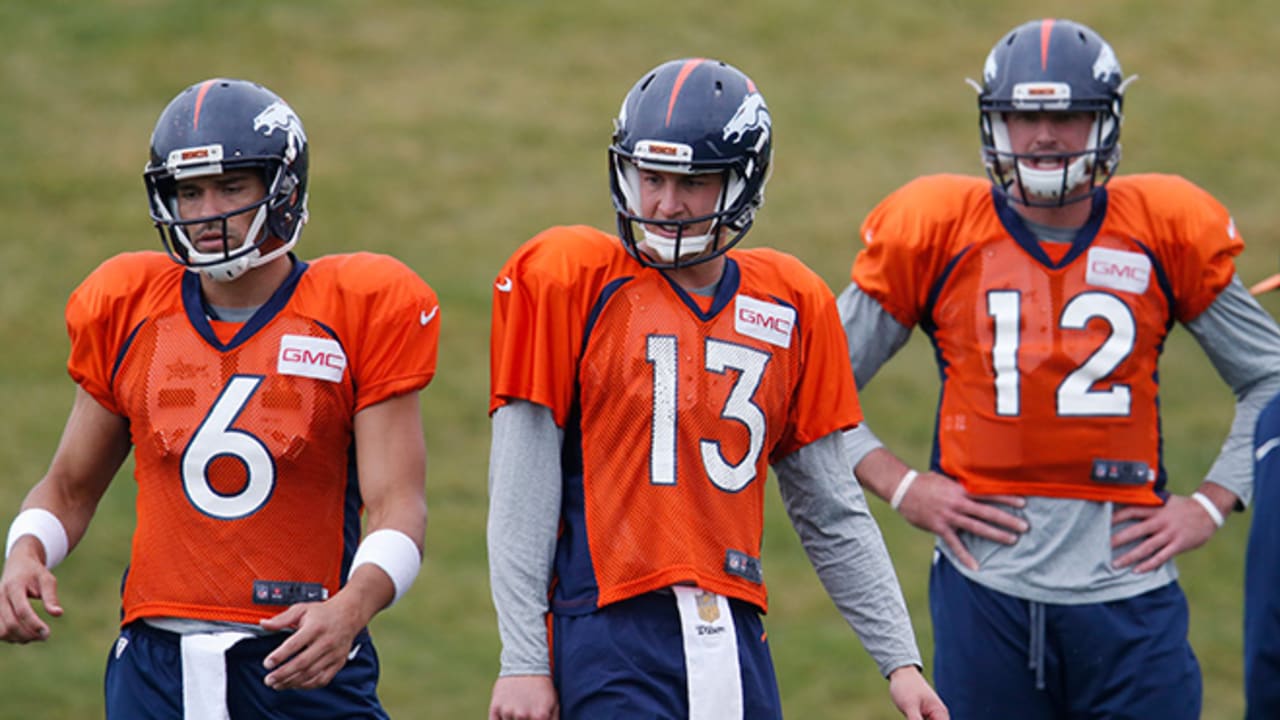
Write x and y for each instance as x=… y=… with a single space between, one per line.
x=318 y=647
x=25 y=578
x=913 y=697
x=1161 y=532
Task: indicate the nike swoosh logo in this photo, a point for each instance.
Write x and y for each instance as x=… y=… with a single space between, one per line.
x=352 y=655
x=425 y=317
x=503 y=284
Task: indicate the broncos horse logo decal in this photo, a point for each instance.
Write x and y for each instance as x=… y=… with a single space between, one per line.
x=1106 y=64
x=752 y=114
x=279 y=116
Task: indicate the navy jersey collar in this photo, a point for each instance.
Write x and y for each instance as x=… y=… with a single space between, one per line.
x=726 y=289
x=193 y=303
x=1014 y=224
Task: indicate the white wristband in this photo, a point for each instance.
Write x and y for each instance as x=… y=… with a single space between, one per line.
x=392 y=551
x=903 y=485
x=1209 y=507
x=46 y=528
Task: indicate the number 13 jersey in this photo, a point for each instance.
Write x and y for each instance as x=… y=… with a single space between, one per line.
x=673 y=406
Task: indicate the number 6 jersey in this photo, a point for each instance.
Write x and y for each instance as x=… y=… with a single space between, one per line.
x=247 y=496
x=672 y=406
x=1048 y=351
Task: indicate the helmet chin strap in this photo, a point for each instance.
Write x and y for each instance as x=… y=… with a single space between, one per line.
x=1049 y=184
x=665 y=247
x=228 y=270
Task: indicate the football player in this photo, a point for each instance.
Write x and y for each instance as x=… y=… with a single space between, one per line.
x=269 y=402
x=1262 y=564
x=1262 y=575
x=641 y=387
x=1048 y=291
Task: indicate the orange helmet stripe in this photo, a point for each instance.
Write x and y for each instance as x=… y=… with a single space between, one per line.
x=204 y=89
x=675 y=89
x=1046 y=31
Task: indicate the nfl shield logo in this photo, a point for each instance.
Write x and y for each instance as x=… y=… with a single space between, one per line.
x=708 y=610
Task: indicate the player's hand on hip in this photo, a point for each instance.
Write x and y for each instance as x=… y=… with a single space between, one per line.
x=1161 y=532
x=913 y=697
x=317 y=649
x=524 y=697
x=25 y=578
x=936 y=503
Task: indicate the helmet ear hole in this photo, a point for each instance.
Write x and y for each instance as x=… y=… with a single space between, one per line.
x=286 y=194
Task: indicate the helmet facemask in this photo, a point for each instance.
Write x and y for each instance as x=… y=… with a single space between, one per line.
x=1019 y=178
x=279 y=213
x=729 y=221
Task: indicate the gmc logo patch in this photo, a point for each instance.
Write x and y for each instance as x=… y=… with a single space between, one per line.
x=768 y=322
x=313 y=357
x=1118 y=270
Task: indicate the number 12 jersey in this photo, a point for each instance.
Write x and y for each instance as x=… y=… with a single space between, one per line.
x=1048 y=352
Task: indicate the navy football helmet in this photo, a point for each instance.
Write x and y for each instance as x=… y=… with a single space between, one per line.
x=691 y=116
x=219 y=125
x=1051 y=66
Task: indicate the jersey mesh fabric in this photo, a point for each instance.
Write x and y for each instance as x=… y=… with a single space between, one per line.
x=678 y=405
x=243 y=442
x=1048 y=358
x=170 y=380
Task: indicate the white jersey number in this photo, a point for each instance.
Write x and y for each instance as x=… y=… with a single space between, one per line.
x=214 y=439
x=1076 y=396
x=720 y=357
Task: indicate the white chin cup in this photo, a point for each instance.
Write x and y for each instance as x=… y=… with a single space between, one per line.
x=1048 y=184
x=227 y=270
x=665 y=247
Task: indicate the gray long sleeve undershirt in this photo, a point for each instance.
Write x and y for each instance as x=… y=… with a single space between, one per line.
x=1243 y=343
x=829 y=512
x=1067 y=557
x=826 y=506
x=524 y=517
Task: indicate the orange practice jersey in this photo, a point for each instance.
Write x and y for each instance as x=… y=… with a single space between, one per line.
x=672 y=405
x=242 y=433
x=1048 y=352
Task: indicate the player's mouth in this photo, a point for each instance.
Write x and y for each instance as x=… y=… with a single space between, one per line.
x=1047 y=161
x=1043 y=164
x=672 y=231
x=210 y=242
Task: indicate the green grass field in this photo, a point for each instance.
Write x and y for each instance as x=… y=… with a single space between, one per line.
x=446 y=132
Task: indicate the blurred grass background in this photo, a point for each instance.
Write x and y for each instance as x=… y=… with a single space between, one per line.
x=446 y=132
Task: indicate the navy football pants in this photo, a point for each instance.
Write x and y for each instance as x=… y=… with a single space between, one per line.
x=144 y=681
x=998 y=656
x=625 y=661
